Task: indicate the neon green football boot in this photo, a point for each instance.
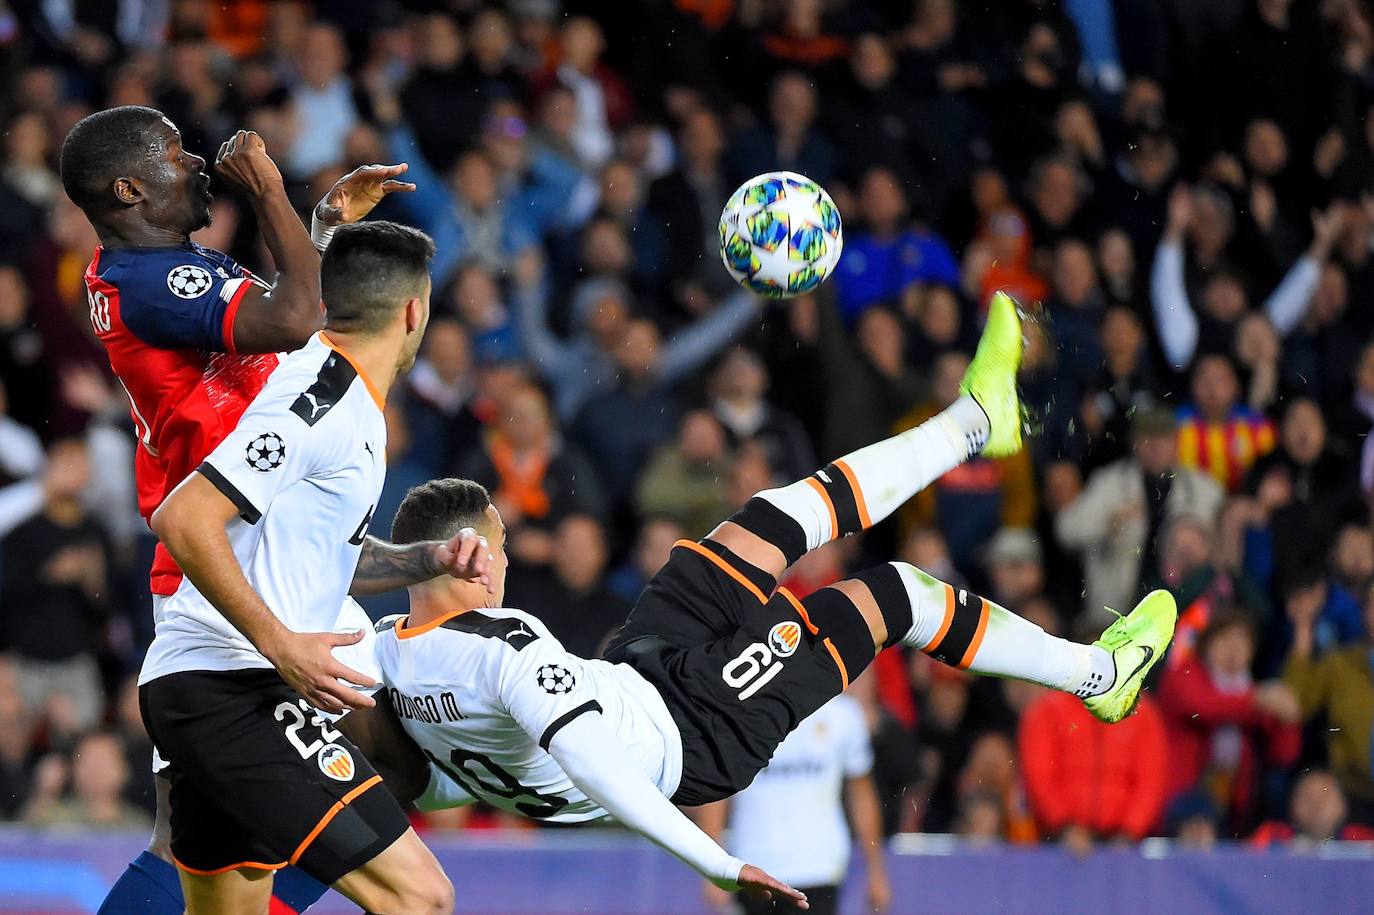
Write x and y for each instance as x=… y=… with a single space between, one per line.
x=991 y=376
x=1136 y=643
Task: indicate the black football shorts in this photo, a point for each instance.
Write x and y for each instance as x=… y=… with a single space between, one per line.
x=259 y=779
x=739 y=668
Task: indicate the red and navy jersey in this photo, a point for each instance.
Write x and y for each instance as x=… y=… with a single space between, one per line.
x=166 y=319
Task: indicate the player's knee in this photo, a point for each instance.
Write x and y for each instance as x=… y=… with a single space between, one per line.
x=780 y=517
x=428 y=894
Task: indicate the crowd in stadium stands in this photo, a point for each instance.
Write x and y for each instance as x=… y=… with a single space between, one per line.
x=1183 y=191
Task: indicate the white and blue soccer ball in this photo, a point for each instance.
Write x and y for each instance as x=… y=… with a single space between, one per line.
x=780 y=235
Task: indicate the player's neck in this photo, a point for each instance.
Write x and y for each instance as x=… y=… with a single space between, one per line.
x=430 y=602
x=140 y=235
x=444 y=598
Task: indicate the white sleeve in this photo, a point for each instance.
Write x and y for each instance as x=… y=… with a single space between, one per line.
x=596 y=761
x=442 y=793
x=1288 y=303
x=270 y=449
x=858 y=749
x=1174 y=316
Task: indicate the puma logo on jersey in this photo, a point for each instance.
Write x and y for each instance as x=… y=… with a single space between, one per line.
x=315 y=405
x=329 y=387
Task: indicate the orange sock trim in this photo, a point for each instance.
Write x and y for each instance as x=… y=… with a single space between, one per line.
x=333 y=812
x=978 y=634
x=864 y=519
x=944 y=626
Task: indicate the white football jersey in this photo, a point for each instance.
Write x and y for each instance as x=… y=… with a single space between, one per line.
x=799 y=794
x=304 y=466
x=483 y=693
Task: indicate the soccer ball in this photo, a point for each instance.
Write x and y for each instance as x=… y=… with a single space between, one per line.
x=266 y=452
x=780 y=235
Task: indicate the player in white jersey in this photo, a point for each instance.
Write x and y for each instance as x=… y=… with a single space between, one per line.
x=717 y=664
x=268 y=532
x=820 y=773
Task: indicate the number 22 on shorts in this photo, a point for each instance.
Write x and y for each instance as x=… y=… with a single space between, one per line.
x=751 y=669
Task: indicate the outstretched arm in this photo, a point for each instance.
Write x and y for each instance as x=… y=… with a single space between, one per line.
x=594 y=758
x=386 y=566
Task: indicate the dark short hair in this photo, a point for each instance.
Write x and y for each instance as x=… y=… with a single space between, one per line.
x=370 y=270
x=439 y=509
x=104 y=146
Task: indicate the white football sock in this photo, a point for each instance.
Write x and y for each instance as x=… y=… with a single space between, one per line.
x=972 y=633
x=881 y=477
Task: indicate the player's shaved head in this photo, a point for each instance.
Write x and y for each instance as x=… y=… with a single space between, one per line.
x=102 y=147
x=439 y=509
x=369 y=271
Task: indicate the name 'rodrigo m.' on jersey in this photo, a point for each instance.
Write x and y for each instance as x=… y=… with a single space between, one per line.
x=304 y=467
x=483 y=693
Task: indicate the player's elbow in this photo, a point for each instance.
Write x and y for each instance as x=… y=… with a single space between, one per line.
x=168 y=523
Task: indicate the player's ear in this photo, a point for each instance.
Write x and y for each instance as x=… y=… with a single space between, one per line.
x=415 y=315
x=127 y=191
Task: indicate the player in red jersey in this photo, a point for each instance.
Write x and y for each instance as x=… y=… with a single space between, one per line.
x=192 y=335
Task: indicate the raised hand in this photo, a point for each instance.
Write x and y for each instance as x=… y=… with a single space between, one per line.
x=467 y=556
x=354 y=195
x=243 y=162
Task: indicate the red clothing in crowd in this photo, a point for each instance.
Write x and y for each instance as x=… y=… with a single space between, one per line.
x=1079 y=771
x=1277 y=832
x=1194 y=708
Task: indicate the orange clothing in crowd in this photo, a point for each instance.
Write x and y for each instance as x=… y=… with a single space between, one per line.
x=1081 y=772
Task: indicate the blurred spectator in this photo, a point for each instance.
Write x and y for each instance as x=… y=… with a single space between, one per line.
x=887 y=259
x=601 y=309
x=58 y=561
x=23 y=361
x=972 y=501
x=570 y=596
x=1182 y=333
x=687 y=202
x=439 y=395
x=1194 y=821
x=790 y=140
x=685 y=479
x=649 y=554
x=534 y=476
x=1015 y=567
x=16 y=747
x=737 y=388
x=602 y=100
x=1216 y=433
x=321 y=101
x=828 y=760
x=1088 y=781
x=1224 y=730
x=1118 y=520
x=1126 y=385
x=624 y=424
x=1322 y=484
x=1337 y=686
x=98 y=776
x=1317 y=814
